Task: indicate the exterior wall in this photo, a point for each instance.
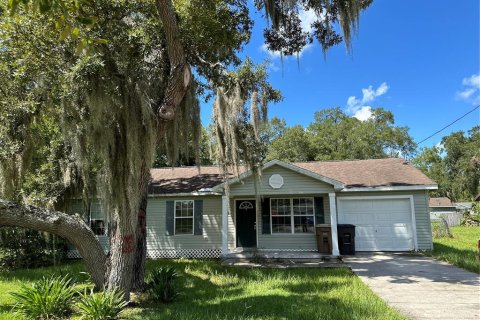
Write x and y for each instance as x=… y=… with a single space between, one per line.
x=76 y=207
x=160 y=245
x=294 y=184
x=295 y=241
x=422 y=213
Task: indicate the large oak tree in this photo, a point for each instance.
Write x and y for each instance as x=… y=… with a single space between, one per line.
x=124 y=77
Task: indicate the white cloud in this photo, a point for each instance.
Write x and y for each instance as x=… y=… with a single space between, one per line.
x=359 y=108
x=306 y=19
x=471 y=89
x=364 y=113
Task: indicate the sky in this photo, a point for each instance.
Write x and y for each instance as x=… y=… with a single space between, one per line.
x=418 y=59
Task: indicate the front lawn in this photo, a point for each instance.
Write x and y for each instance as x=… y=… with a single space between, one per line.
x=212 y=291
x=461 y=250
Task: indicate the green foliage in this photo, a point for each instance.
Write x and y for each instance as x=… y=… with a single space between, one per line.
x=22 y=248
x=162 y=284
x=104 y=305
x=454 y=165
x=48 y=298
x=335 y=136
x=461 y=249
x=214 y=291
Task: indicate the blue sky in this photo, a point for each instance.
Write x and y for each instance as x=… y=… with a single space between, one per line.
x=418 y=59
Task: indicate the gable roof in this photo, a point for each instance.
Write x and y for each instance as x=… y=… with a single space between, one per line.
x=349 y=174
x=440 y=202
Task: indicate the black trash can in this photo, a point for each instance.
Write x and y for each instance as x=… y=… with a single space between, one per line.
x=346 y=238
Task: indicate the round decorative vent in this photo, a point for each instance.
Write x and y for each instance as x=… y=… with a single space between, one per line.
x=275 y=181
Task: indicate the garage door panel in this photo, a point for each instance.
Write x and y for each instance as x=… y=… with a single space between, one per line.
x=381 y=224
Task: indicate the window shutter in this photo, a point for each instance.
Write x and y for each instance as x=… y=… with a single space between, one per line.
x=266 y=216
x=170 y=218
x=319 y=215
x=198 y=218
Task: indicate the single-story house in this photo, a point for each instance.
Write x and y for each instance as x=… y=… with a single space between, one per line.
x=188 y=216
x=441 y=206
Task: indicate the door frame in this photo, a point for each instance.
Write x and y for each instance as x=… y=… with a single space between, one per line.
x=412 y=209
x=235 y=219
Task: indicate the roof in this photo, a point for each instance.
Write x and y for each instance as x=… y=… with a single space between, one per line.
x=185 y=179
x=390 y=172
x=387 y=172
x=440 y=202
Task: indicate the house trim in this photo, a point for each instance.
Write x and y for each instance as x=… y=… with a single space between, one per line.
x=392 y=188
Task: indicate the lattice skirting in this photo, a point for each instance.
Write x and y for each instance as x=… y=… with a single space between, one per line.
x=168 y=253
x=73 y=254
x=286 y=250
x=183 y=253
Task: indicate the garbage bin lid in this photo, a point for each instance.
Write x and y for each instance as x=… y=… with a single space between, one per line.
x=346 y=225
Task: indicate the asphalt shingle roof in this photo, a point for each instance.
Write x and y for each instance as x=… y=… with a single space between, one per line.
x=352 y=173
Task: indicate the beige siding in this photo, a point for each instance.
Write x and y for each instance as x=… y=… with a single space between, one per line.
x=422 y=215
x=294 y=183
x=157 y=238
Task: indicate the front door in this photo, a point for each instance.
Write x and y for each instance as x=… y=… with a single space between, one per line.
x=246 y=223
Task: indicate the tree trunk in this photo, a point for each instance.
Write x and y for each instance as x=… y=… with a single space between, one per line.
x=70 y=227
x=141 y=251
x=122 y=255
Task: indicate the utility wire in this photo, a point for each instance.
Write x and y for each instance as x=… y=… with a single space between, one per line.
x=448 y=125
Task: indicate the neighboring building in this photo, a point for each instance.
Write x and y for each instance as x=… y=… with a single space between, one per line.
x=187 y=214
x=441 y=206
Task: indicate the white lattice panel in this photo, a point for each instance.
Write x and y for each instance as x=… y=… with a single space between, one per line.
x=73 y=254
x=183 y=253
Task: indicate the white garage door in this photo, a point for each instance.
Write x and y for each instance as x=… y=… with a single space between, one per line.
x=381 y=224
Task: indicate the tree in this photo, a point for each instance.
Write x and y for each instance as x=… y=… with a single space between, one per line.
x=454 y=165
x=335 y=136
x=293 y=145
x=124 y=74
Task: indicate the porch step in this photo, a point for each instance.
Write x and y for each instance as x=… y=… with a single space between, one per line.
x=282 y=260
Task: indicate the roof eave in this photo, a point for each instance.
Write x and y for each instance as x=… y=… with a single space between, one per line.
x=392 y=188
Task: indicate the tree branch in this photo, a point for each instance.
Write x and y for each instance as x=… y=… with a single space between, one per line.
x=70 y=227
x=180 y=73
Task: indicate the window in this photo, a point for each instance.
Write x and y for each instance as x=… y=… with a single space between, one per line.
x=97 y=219
x=295 y=215
x=184 y=217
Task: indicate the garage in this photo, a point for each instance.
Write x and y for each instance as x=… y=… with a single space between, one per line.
x=382 y=224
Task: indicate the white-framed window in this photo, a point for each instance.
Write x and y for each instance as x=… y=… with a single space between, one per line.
x=184 y=210
x=292 y=215
x=97 y=218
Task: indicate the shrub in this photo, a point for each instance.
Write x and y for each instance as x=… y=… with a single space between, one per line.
x=23 y=248
x=161 y=284
x=48 y=298
x=104 y=305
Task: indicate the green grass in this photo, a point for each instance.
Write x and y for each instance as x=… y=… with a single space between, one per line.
x=461 y=250
x=212 y=291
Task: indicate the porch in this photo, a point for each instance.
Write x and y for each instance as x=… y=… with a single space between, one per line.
x=244 y=235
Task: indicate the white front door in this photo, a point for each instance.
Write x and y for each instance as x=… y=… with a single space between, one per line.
x=380 y=224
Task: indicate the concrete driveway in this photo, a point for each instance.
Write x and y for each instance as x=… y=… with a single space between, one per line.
x=420 y=287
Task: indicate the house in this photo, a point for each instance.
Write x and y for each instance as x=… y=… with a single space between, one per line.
x=188 y=216
x=441 y=207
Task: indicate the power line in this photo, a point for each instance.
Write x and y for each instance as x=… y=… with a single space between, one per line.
x=448 y=125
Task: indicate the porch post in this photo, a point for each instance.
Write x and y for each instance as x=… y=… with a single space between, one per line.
x=224 y=225
x=333 y=223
